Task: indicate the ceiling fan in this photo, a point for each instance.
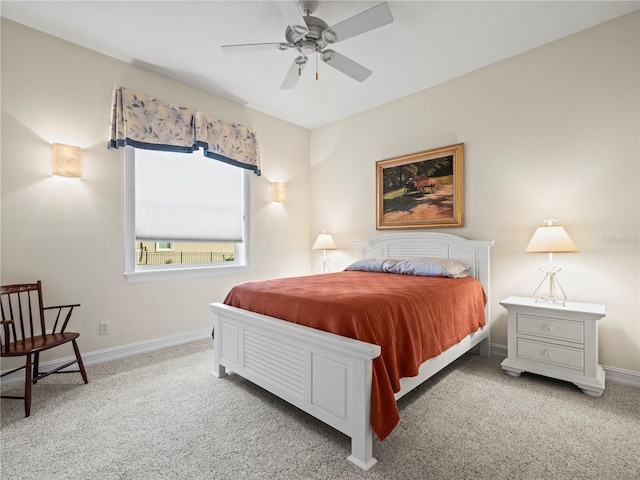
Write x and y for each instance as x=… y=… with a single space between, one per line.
x=307 y=35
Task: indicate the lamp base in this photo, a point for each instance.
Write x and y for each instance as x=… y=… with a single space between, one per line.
x=551 y=297
x=324 y=259
x=550 y=300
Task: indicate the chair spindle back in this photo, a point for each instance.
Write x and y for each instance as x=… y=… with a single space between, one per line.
x=22 y=312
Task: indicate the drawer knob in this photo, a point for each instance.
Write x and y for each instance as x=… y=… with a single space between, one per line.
x=548 y=354
x=547 y=328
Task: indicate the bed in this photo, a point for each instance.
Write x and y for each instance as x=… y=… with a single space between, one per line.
x=330 y=376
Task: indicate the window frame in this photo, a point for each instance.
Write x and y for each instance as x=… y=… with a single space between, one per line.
x=146 y=273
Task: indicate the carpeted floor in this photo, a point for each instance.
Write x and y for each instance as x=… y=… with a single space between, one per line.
x=162 y=416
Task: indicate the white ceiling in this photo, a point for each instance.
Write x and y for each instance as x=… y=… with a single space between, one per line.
x=428 y=43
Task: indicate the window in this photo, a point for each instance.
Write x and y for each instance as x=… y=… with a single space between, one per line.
x=164 y=246
x=186 y=215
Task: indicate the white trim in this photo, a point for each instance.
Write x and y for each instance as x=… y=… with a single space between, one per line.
x=613 y=374
x=129 y=209
x=117 y=353
x=624 y=377
x=498 y=351
x=184 y=272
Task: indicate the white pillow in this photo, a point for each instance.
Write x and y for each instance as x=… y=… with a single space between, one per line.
x=425 y=266
x=431 y=267
x=369 y=265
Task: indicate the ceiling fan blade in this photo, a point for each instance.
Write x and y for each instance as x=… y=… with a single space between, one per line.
x=294 y=73
x=346 y=65
x=293 y=16
x=375 y=17
x=254 y=47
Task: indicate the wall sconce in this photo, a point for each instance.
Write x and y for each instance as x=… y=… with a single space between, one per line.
x=278 y=192
x=551 y=239
x=67 y=160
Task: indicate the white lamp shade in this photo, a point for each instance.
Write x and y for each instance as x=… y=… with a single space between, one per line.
x=324 y=242
x=551 y=239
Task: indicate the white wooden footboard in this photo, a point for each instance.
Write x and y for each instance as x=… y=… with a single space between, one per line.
x=326 y=375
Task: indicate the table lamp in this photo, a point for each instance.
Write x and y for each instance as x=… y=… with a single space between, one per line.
x=551 y=239
x=324 y=242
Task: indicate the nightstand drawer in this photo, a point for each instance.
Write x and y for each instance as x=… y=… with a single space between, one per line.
x=553 y=354
x=551 y=328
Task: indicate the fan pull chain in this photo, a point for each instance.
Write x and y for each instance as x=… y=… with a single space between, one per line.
x=316 y=64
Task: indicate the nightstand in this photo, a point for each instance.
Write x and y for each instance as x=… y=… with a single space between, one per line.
x=559 y=341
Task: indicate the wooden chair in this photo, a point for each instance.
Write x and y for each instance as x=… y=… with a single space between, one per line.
x=26 y=335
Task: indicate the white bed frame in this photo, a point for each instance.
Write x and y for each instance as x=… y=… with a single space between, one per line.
x=329 y=376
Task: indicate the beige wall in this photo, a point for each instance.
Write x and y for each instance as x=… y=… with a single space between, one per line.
x=552 y=132
x=69 y=233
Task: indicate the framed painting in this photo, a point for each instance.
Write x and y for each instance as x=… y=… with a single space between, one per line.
x=421 y=190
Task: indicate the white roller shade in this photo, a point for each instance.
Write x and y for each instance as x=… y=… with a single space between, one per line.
x=187 y=198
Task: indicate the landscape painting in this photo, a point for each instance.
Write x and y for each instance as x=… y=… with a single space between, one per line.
x=421 y=190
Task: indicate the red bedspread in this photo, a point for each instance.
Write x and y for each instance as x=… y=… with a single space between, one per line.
x=412 y=318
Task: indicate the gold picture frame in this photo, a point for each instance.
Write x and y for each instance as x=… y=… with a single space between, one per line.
x=421 y=190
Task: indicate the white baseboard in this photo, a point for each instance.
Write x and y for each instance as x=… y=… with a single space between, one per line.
x=116 y=353
x=616 y=375
x=613 y=374
x=498 y=351
x=625 y=377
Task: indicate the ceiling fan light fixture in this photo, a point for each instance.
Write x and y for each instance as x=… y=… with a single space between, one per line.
x=308 y=47
x=300 y=29
x=329 y=36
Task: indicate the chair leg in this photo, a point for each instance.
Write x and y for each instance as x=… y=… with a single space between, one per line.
x=36 y=367
x=80 y=363
x=27 y=387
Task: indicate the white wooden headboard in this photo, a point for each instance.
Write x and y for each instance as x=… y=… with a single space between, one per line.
x=474 y=253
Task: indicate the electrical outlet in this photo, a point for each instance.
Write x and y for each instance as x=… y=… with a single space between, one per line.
x=103 y=328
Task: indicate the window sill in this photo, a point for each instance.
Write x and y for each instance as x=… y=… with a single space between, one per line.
x=160 y=274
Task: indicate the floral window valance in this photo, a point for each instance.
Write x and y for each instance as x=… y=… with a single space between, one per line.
x=145 y=122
